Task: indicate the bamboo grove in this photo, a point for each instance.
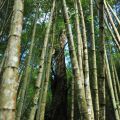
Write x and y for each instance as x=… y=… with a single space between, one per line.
x=59 y=60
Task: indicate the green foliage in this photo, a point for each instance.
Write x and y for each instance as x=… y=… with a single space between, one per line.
x=29 y=14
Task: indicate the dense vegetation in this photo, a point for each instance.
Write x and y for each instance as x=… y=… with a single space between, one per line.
x=60 y=60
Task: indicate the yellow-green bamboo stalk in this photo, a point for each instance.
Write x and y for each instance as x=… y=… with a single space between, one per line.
x=9 y=85
x=44 y=97
x=72 y=99
x=94 y=66
x=27 y=71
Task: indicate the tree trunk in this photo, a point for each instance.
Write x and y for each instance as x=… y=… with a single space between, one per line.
x=77 y=111
x=59 y=101
x=9 y=85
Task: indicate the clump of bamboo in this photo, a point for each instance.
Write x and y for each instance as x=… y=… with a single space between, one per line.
x=41 y=65
x=109 y=80
x=81 y=93
x=86 y=64
x=112 y=23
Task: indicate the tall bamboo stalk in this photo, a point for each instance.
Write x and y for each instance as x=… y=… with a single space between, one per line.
x=86 y=65
x=101 y=62
x=72 y=99
x=75 y=67
x=41 y=91
x=114 y=85
x=44 y=88
x=9 y=85
x=79 y=43
x=41 y=65
x=27 y=71
x=117 y=80
x=94 y=66
x=43 y=102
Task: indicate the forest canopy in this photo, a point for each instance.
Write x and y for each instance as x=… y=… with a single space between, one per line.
x=59 y=60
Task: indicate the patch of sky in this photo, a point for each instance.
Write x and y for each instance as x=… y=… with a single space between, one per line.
x=67 y=56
